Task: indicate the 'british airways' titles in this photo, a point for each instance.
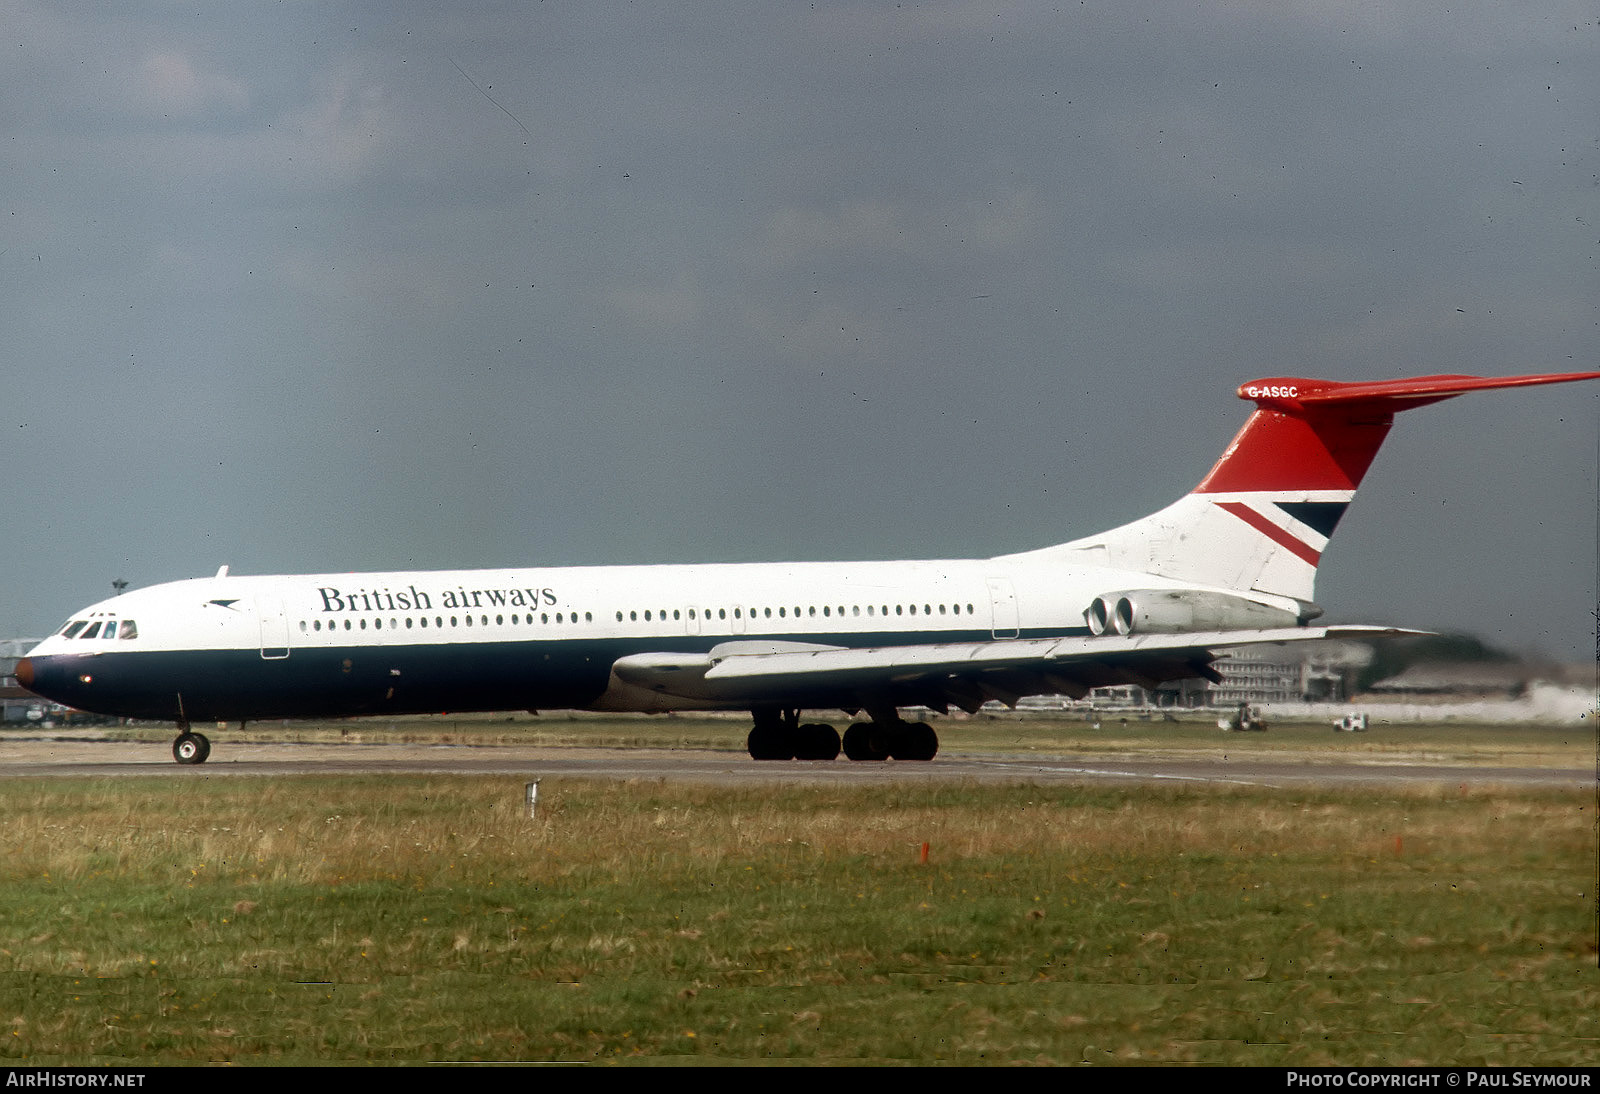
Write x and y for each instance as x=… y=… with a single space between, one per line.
x=415 y=599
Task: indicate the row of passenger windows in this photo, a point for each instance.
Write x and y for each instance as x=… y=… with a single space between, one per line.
x=827 y=611
x=439 y=622
x=100 y=628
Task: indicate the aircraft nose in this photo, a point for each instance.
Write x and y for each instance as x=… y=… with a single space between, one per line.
x=24 y=672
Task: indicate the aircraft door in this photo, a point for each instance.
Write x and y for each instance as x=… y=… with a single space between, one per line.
x=1002 y=608
x=274 y=627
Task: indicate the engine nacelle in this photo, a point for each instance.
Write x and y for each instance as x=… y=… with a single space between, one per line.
x=1171 y=611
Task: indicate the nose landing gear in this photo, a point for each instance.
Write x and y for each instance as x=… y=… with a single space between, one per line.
x=191 y=748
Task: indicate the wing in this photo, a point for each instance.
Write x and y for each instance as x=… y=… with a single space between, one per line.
x=939 y=676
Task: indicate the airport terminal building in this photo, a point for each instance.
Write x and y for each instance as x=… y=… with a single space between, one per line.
x=1305 y=672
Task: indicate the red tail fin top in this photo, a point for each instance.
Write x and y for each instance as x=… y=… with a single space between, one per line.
x=1323 y=434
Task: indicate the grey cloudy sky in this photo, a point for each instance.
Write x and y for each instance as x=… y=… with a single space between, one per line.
x=328 y=287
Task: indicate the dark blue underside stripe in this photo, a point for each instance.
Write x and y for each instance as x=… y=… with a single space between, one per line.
x=345 y=681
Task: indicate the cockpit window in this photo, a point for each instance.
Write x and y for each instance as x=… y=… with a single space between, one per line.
x=73 y=628
x=130 y=629
x=111 y=630
x=94 y=629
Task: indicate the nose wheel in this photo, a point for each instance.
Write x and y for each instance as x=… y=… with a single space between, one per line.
x=191 y=748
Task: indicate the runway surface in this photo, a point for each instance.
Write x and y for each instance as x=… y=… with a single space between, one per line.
x=61 y=757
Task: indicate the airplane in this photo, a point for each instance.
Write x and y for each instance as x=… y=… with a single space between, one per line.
x=1232 y=563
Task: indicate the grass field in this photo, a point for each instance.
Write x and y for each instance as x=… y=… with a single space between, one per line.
x=407 y=919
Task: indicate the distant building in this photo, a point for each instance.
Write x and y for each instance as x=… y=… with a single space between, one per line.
x=1298 y=672
x=15 y=702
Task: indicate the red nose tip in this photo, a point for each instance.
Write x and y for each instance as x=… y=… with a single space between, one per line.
x=24 y=672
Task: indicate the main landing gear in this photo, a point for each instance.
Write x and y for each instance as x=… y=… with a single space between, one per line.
x=779 y=735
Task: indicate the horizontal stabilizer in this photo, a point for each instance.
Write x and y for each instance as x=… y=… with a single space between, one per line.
x=1293 y=394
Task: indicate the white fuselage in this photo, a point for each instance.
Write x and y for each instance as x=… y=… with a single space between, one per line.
x=233 y=647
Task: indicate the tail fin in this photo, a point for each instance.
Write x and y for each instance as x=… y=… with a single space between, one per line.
x=1260 y=520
